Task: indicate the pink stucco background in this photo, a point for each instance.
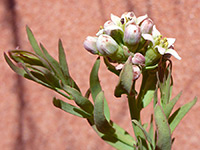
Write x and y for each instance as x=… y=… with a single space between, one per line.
x=28 y=119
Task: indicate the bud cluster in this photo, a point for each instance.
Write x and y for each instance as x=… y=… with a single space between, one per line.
x=127 y=35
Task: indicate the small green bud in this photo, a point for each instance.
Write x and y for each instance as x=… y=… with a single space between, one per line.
x=152 y=57
x=106 y=45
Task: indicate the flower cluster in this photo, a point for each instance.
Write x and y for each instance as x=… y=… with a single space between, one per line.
x=128 y=35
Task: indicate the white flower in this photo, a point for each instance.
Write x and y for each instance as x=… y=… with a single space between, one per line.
x=164 y=46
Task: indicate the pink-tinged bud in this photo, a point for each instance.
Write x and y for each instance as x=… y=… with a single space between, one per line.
x=106 y=45
x=138 y=59
x=136 y=72
x=146 y=26
x=90 y=44
x=132 y=35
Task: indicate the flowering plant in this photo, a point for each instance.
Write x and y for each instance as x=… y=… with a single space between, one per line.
x=131 y=47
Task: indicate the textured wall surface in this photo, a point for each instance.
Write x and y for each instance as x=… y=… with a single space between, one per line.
x=28 y=119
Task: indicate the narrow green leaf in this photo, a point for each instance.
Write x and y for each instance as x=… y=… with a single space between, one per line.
x=95 y=86
x=146 y=135
x=13 y=67
x=178 y=115
x=147 y=89
x=116 y=142
x=163 y=130
x=53 y=63
x=62 y=59
x=36 y=78
x=125 y=83
x=100 y=120
x=70 y=108
x=33 y=42
x=165 y=83
x=25 y=57
x=151 y=130
x=168 y=108
x=81 y=101
x=64 y=67
x=111 y=67
x=50 y=77
x=121 y=139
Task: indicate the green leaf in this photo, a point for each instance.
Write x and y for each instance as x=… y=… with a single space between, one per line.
x=147 y=89
x=110 y=67
x=81 y=101
x=64 y=67
x=168 y=108
x=177 y=116
x=13 y=67
x=33 y=42
x=163 y=130
x=125 y=83
x=151 y=130
x=54 y=64
x=165 y=84
x=102 y=124
x=95 y=86
x=49 y=76
x=146 y=135
x=25 y=57
x=70 y=108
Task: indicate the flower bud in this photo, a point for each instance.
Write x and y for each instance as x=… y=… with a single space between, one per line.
x=90 y=44
x=146 y=26
x=138 y=59
x=127 y=16
x=136 y=72
x=106 y=45
x=115 y=32
x=132 y=36
x=152 y=57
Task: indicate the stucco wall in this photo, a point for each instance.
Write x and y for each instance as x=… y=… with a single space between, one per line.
x=28 y=119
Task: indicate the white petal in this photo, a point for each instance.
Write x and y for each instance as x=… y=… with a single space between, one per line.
x=111 y=28
x=173 y=53
x=115 y=19
x=155 y=32
x=148 y=37
x=171 y=41
x=119 y=67
x=161 y=50
x=141 y=18
x=108 y=23
x=100 y=32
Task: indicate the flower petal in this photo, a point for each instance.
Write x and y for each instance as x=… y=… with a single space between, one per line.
x=115 y=19
x=173 y=53
x=161 y=50
x=101 y=31
x=155 y=32
x=170 y=41
x=119 y=67
x=141 y=18
x=148 y=37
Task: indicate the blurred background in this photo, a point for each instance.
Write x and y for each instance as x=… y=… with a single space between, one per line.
x=28 y=119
